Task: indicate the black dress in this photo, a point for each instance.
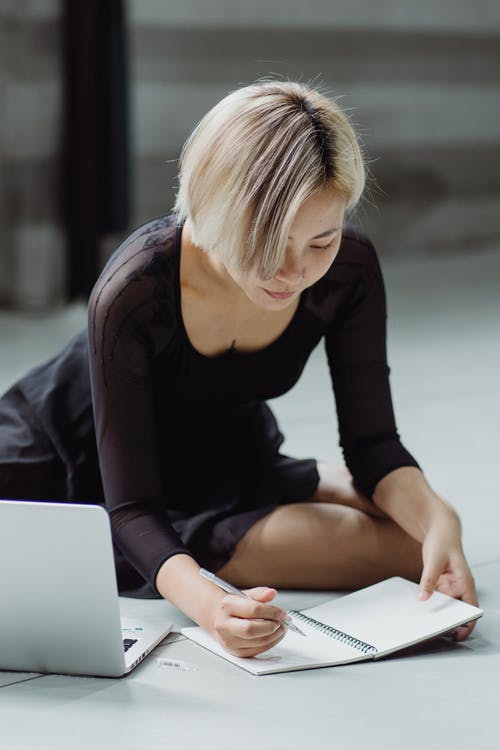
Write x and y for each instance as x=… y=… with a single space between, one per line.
x=182 y=448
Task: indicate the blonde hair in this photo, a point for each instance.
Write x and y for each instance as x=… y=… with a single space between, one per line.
x=253 y=160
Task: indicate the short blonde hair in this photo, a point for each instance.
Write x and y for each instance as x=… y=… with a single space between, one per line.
x=252 y=161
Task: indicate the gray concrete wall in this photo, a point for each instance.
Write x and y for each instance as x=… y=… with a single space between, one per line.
x=421 y=81
x=31 y=237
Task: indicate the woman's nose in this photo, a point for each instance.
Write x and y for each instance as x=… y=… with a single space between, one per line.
x=291 y=271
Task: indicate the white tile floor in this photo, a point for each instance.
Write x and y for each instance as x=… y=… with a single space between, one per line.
x=444 y=345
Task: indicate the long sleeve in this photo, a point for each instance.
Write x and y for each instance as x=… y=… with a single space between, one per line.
x=131 y=318
x=356 y=350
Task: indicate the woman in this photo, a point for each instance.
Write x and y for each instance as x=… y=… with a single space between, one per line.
x=199 y=318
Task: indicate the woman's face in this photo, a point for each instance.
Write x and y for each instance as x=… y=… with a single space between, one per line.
x=313 y=243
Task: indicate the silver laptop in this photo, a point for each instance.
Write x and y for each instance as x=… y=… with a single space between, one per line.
x=59 y=605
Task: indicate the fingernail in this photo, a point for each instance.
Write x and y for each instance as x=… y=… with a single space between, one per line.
x=423 y=595
x=286 y=617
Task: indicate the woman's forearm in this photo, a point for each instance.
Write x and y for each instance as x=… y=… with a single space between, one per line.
x=179 y=581
x=406 y=496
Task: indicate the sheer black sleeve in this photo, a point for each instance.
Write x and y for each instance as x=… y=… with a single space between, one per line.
x=131 y=318
x=356 y=349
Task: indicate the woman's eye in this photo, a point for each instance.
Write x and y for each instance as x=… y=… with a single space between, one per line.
x=322 y=247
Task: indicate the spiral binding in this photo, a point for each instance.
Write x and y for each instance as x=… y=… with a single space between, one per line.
x=339 y=635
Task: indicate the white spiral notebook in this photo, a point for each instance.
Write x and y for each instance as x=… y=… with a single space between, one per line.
x=367 y=624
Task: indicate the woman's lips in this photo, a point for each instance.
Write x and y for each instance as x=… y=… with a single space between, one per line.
x=279 y=295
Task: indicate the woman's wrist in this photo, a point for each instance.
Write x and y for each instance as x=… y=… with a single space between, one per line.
x=179 y=581
x=406 y=496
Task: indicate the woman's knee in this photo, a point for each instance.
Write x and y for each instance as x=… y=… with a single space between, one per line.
x=336 y=487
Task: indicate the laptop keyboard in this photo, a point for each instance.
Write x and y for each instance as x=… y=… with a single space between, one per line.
x=128 y=643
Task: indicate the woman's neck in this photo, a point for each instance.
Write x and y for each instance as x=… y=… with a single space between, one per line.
x=204 y=273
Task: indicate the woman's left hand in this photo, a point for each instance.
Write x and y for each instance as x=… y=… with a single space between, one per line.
x=445 y=567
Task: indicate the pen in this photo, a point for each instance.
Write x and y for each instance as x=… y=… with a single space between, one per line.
x=225 y=586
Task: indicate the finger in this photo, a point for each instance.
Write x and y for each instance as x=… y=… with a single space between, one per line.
x=459 y=584
x=426 y=589
x=470 y=595
x=253 y=630
x=250 y=609
x=464 y=631
x=247 y=649
x=261 y=593
x=430 y=577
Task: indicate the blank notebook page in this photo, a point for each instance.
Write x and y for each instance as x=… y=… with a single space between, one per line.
x=389 y=615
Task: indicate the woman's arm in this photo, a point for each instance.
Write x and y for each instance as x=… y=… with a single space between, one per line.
x=381 y=467
x=355 y=342
x=406 y=496
x=131 y=317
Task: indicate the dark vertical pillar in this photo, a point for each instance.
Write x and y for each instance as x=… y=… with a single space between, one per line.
x=96 y=142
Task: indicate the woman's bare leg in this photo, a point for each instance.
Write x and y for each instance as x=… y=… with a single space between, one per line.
x=336 y=486
x=337 y=540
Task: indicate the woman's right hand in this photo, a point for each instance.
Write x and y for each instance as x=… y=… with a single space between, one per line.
x=243 y=626
x=250 y=626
